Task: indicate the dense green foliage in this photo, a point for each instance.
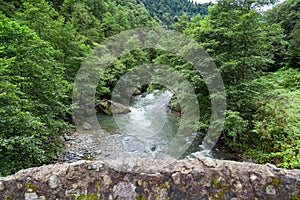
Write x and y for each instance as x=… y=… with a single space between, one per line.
x=287 y=15
x=32 y=95
x=262 y=116
x=43 y=44
x=277 y=120
x=169 y=11
x=262 y=113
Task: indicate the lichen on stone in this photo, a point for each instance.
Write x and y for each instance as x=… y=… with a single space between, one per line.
x=9 y=198
x=141 y=197
x=276 y=182
x=29 y=186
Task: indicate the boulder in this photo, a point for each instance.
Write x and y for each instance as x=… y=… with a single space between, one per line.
x=174 y=105
x=86 y=126
x=136 y=92
x=110 y=107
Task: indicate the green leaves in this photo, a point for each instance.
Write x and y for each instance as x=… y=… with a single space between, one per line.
x=294 y=48
x=169 y=11
x=20 y=152
x=263 y=111
x=234 y=124
x=42 y=48
x=277 y=123
x=31 y=93
x=287 y=16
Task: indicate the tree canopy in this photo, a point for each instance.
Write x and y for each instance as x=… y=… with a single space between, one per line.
x=44 y=42
x=168 y=12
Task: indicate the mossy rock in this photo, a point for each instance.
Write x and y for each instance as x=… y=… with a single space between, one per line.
x=110 y=107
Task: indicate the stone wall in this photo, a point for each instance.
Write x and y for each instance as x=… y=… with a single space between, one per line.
x=152 y=179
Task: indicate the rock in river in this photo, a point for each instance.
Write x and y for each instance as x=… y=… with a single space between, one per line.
x=86 y=126
x=110 y=107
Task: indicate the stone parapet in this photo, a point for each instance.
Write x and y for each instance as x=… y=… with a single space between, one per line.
x=142 y=179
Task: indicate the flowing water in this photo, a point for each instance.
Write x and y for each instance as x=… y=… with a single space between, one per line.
x=145 y=132
x=149 y=117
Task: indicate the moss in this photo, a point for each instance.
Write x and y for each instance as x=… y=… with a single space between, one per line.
x=276 y=182
x=29 y=185
x=221 y=188
x=9 y=198
x=215 y=181
x=83 y=197
x=88 y=157
x=92 y=197
x=221 y=194
x=98 y=186
x=159 y=188
x=76 y=196
x=141 y=197
x=294 y=197
x=167 y=185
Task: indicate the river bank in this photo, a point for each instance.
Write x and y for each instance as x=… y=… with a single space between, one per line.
x=146 y=132
x=85 y=146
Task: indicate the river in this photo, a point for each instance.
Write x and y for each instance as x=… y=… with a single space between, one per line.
x=149 y=127
x=145 y=132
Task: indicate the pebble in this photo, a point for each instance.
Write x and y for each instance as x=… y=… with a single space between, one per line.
x=77 y=148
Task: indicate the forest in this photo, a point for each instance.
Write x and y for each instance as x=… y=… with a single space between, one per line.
x=167 y=12
x=44 y=42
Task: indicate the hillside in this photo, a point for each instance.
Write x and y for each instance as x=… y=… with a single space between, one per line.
x=168 y=11
x=45 y=42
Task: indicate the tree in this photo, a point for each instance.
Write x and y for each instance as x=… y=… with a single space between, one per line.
x=32 y=94
x=242 y=46
x=287 y=16
x=169 y=11
x=182 y=23
x=275 y=135
x=53 y=28
x=238 y=40
x=41 y=51
x=294 y=48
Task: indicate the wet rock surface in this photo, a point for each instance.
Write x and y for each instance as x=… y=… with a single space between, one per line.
x=95 y=145
x=90 y=146
x=101 y=144
x=77 y=147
